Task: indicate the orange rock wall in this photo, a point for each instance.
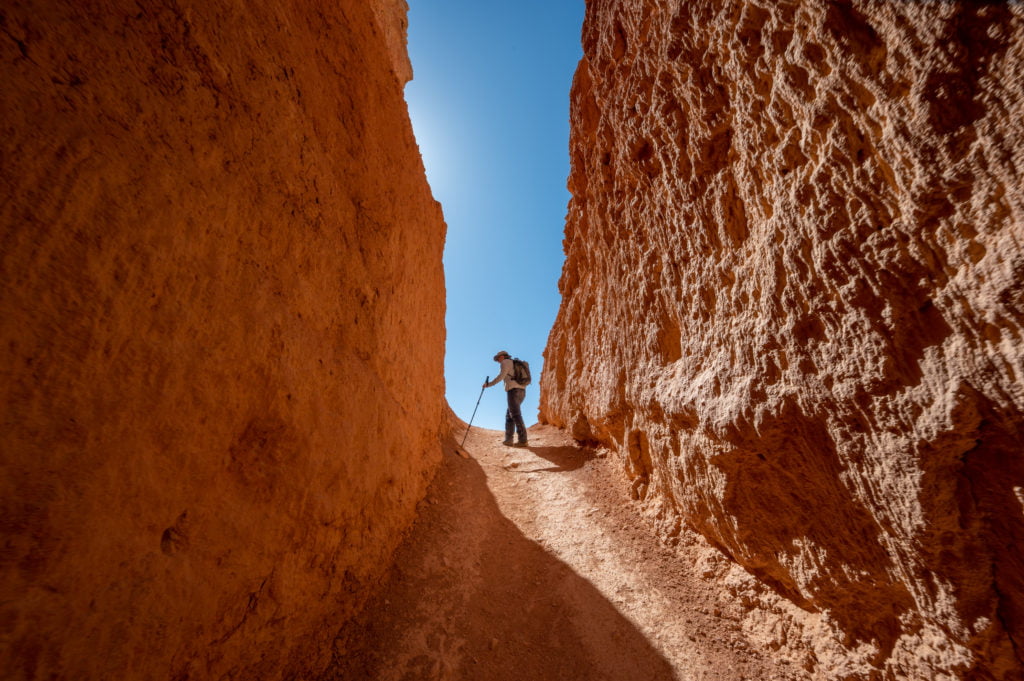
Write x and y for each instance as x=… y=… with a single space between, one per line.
x=222 y=328
x=793 y=304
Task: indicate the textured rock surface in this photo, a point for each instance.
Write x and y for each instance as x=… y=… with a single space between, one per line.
x=222 y=333
x=793 y=303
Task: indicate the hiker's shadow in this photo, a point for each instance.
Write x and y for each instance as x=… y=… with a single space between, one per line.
x=565 y=458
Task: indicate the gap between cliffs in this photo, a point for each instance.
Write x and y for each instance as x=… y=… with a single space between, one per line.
x=526 y=564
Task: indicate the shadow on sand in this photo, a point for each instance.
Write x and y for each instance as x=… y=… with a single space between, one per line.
x=471 y=597
x=565 y=458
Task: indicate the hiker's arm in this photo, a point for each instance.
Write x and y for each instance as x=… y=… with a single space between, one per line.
x=506 y=369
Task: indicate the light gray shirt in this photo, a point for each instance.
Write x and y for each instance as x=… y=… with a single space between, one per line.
x=506 y=375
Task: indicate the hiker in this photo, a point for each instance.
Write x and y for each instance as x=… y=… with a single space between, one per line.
x=516 y=393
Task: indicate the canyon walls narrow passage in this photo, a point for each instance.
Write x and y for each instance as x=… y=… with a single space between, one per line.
x=222 y=327
x=793 y=302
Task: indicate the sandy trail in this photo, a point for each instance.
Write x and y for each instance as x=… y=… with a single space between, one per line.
x=532 y=564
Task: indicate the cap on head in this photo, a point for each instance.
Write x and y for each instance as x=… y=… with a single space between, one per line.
x=501 y=353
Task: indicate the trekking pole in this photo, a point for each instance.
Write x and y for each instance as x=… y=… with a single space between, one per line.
x=470 y=425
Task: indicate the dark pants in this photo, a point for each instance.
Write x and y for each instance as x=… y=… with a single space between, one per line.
x=513 y=416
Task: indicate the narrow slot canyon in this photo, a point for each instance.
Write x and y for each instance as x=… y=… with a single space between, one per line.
x=781 y=403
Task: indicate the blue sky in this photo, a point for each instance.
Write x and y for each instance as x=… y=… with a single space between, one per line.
x=489 y=103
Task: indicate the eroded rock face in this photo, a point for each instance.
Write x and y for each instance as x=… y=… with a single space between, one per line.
x=793 y=303
x=222 y=325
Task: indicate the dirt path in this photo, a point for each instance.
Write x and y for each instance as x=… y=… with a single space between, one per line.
x=531 y=564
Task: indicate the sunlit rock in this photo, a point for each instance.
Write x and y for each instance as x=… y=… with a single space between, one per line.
x=793 y=304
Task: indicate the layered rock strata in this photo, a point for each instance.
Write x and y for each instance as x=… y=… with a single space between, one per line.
x=222 y=331
x=793 y=304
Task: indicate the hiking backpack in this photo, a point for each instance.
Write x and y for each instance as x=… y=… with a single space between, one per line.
x=521 y=371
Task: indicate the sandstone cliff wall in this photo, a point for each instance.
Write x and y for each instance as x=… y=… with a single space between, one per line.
x=793 y=304
x=222 y=328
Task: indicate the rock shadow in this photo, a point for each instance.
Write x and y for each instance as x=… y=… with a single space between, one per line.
x=785 y=489
x=971 y=496
x=471 y=597
x=565 y=458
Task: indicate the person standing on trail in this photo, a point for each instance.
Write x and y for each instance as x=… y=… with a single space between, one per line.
x=516 y=394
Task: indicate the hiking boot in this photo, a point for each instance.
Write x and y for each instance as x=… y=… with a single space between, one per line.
x=507 y=443
x=524 y=443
